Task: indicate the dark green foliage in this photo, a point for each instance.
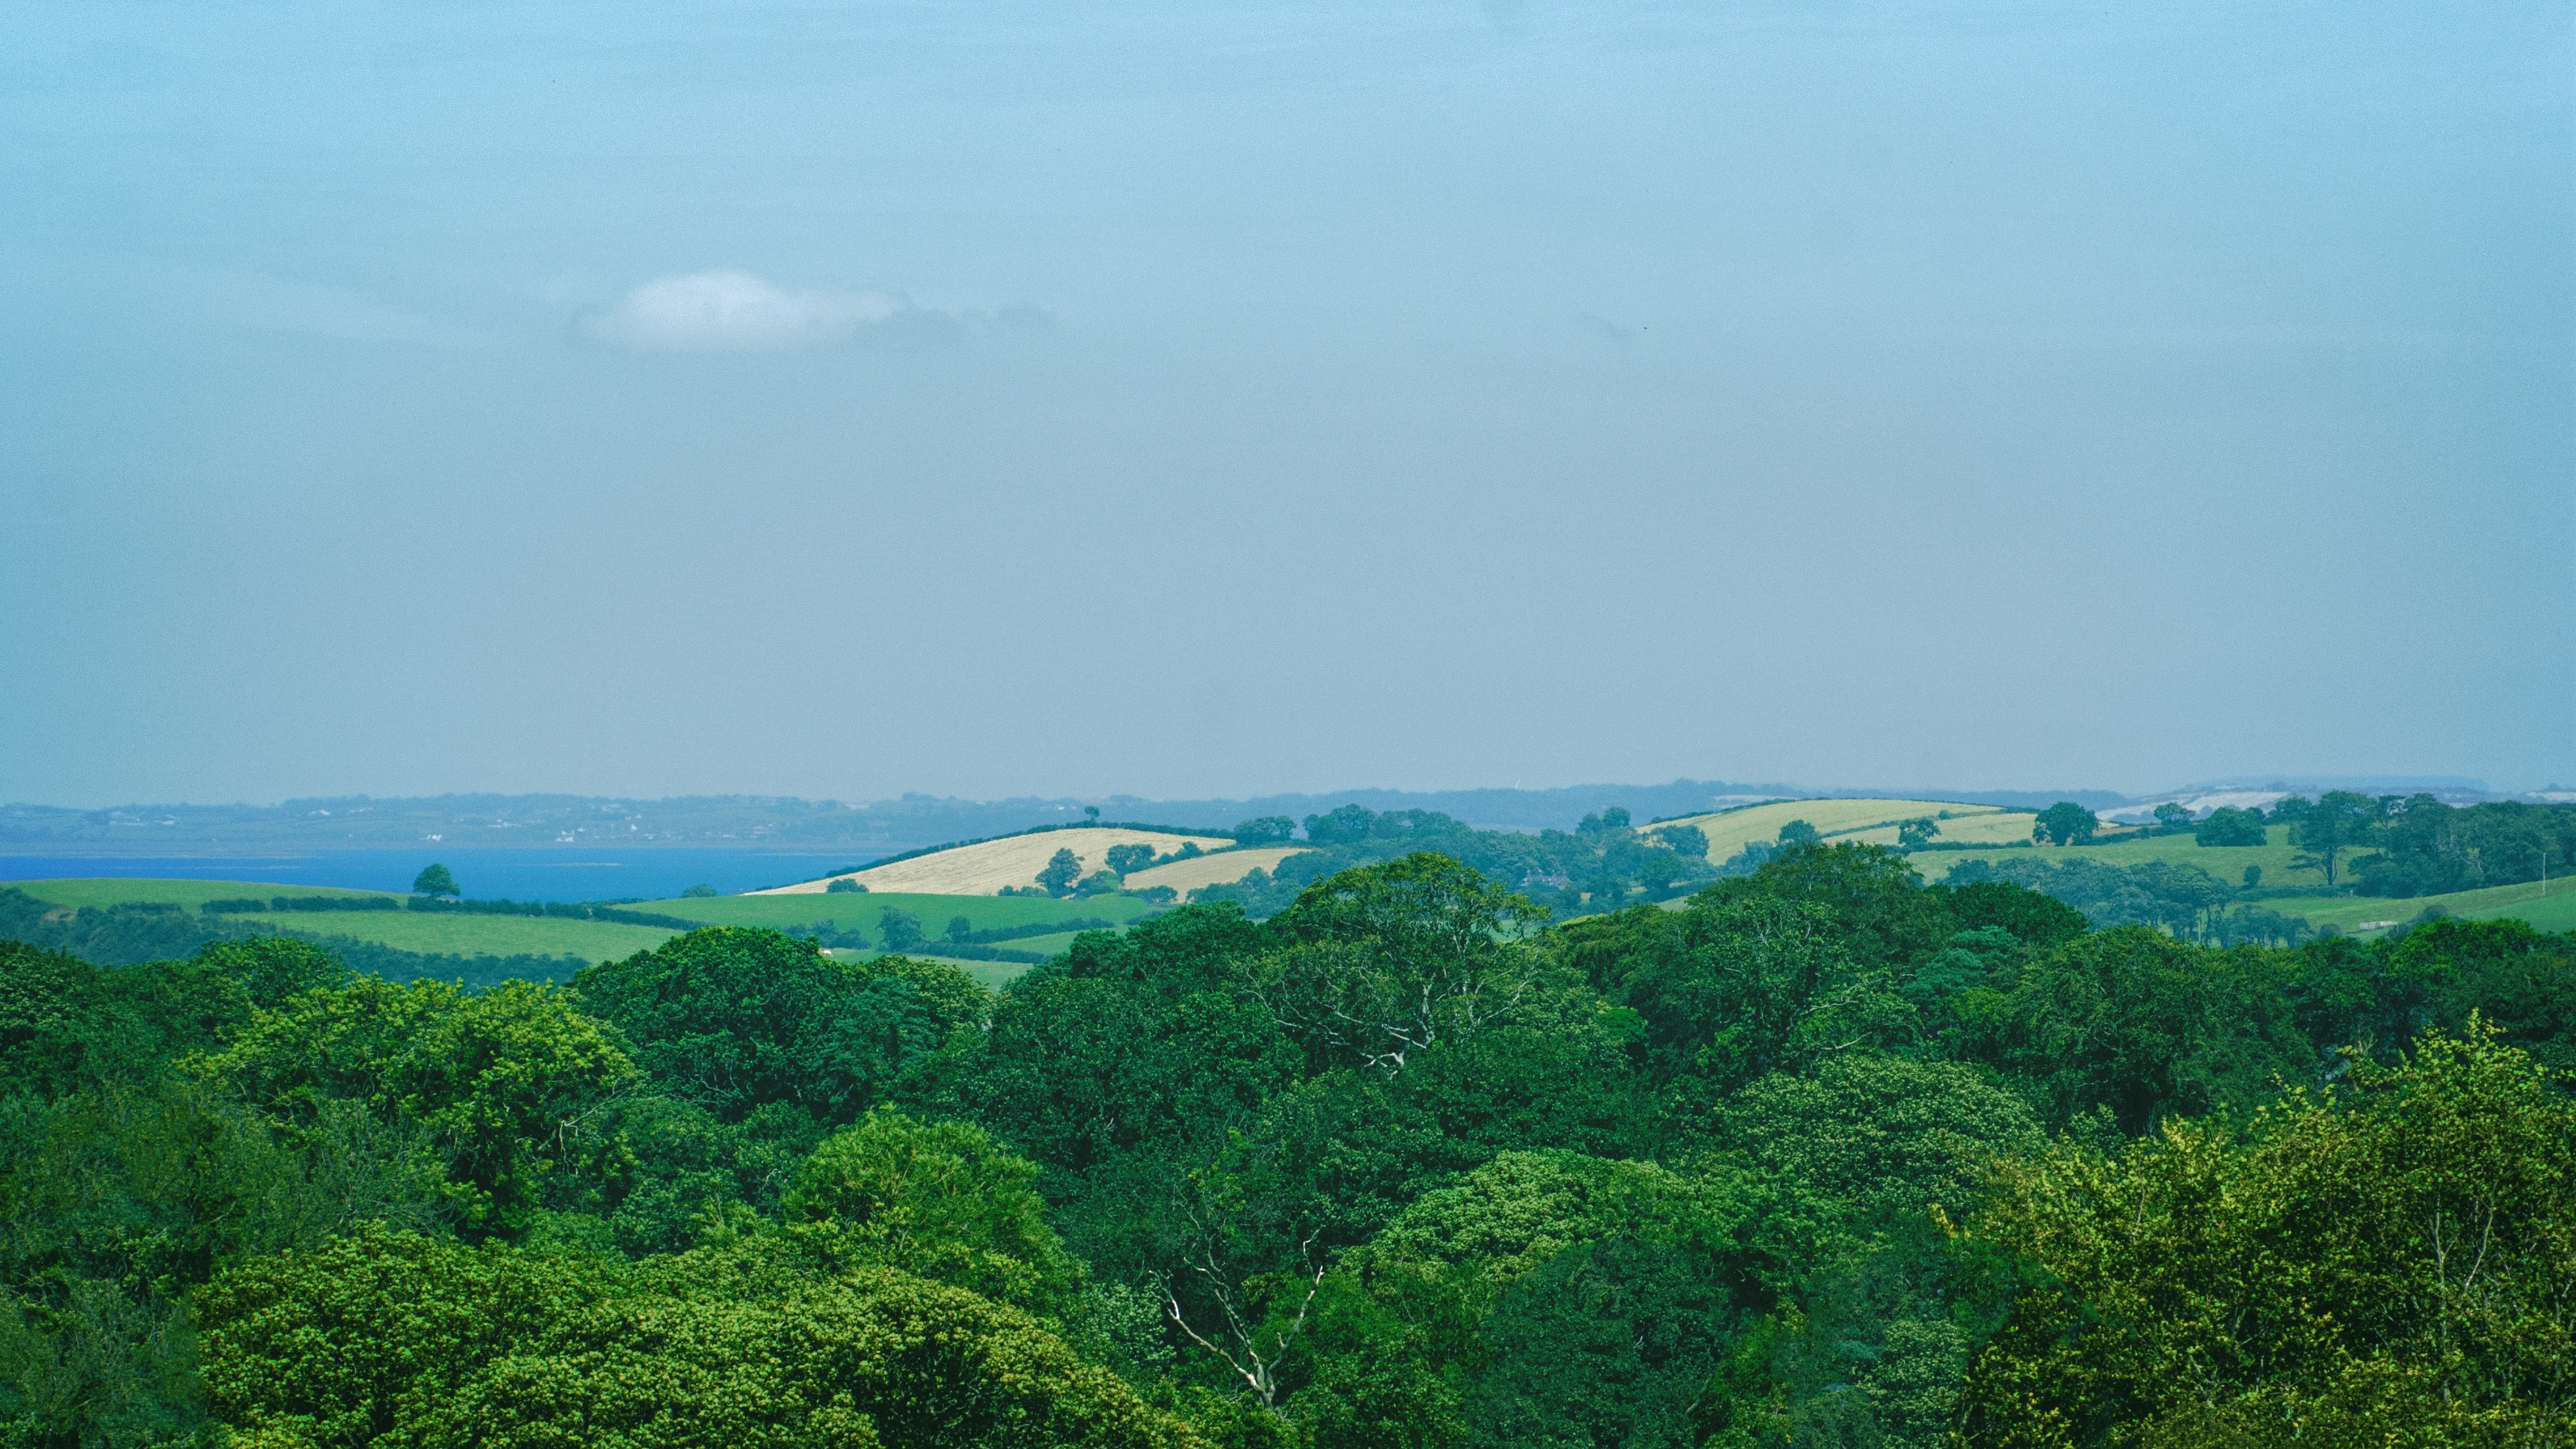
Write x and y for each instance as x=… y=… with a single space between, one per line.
x=119 y=935
x=1401 y=1165
x=1609 y=1343
x=1265 y=830
x=1122 y=859
x=2065 y=823
x=1607 y=857
x=2142 y=1026
x=843 y=885
x=2031 y=917
x=1060 y=872
x=2227 y=825
x=735 y=1018
x=2424 y=847
x=899 y=929
x=434 y=880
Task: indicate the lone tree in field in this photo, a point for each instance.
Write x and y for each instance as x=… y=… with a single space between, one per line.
x=2064 y=823
x=1916 y=833
x=901 y=929
x=1062 y=870
x=2336 y=823
x=433 y=882
x=1799 y=832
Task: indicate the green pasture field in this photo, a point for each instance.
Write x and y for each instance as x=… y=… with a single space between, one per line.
x=445 y=934
x=2227 y=862
x=858 y=911
x=440 y=933
x=991 y=975
x=2553 y=912
x=188 y=893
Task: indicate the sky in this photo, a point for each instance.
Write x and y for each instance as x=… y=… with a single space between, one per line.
x=1209 y=400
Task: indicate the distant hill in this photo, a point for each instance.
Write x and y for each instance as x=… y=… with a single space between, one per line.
x=982 y=869
x=1862 y=821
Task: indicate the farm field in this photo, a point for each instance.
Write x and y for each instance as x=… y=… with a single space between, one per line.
x=1223 y=868
x=983 y=869
x=1729 y=831
x=462 y=935
x=2227 y=862
x=853 y=911
x=114 y=891
x=991 y=975
x=2553 y=912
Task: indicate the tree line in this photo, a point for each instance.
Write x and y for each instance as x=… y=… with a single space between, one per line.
x=1820 y=1156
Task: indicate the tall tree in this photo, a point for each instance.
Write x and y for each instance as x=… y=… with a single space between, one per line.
x=434 y=881
x=2340 y=820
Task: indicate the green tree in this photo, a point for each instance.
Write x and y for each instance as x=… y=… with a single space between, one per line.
x=504 y=1090
x=959 y=928
x=2064 y=823
x=1062 y=869
x=434 y=881
x=898 y=929
x=2340 y=820
x=2142 y=1026
x=1688 y=841
x=2228 y=826
x=846 y=885
x=1386 y=960
x=734 y=1018
x=2173 y=815
x=1916 y=833
x=698 y=893
x=384 y=1337
x=941 y=1200
x=1799 y=832
x=2387 y=1265
x=1127 y=859
x=1264 y=830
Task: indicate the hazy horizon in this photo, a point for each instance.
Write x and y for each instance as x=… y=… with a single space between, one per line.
x=839 y=402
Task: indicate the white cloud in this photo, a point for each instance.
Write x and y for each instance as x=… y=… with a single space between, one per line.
x=728 y=310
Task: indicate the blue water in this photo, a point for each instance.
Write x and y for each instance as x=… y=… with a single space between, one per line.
x=549 y=875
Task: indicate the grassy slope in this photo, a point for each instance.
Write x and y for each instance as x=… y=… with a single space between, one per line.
x=859 y=911
x=459 y=935
x=189 y=893
x=1225 y=867
x=983 y=869
x=1729 y=830
x=2557 y=912
x=439 y=934
x=2227 y=862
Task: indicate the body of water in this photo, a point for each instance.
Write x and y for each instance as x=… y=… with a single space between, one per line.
x=549 y=875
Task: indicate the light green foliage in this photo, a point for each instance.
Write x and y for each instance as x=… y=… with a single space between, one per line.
x=1863 y=1143
x=506 y=1090
x=1502 y=1221
x=387 y=1338
x=2395 y=1263
x=939 y=1200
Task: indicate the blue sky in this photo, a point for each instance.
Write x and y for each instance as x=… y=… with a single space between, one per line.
x=844 y=399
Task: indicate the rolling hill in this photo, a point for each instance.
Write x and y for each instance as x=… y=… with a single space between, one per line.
x=1868 y=822
x=984 y=868
x=1225 y=868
